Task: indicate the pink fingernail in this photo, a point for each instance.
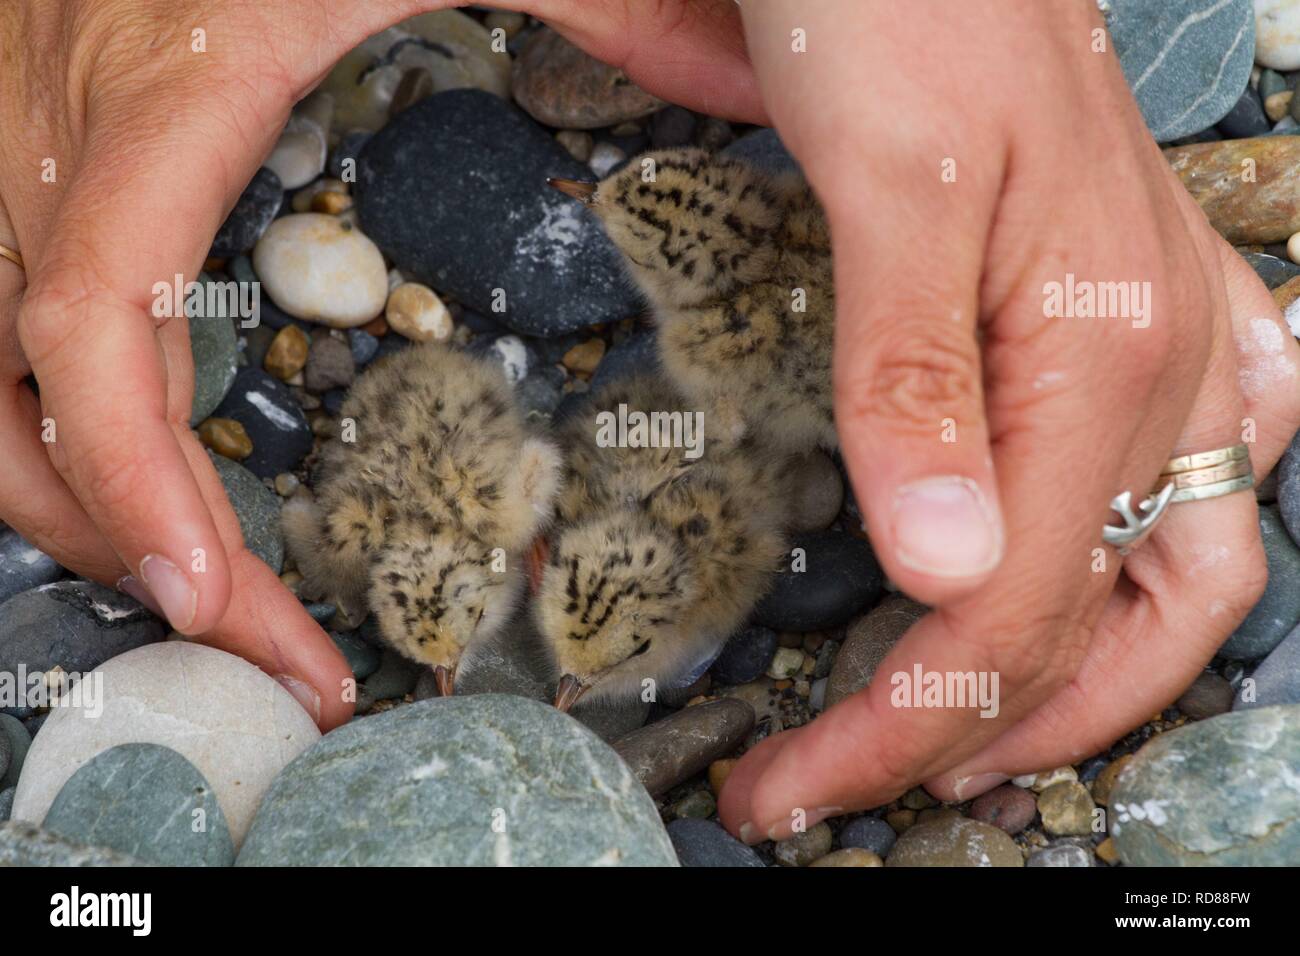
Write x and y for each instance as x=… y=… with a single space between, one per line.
x=172 y=590
x=130 y=585
x=749 y=834
x=303 y=693
x=968 y=787
x=944 y=527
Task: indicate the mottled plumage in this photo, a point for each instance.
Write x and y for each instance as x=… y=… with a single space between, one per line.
x=425 y=516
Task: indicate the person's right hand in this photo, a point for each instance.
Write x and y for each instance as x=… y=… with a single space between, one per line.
x=121 y=150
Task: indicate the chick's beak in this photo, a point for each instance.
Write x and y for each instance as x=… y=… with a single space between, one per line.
x=445 y=678
x=568 y=692
x=573 y=188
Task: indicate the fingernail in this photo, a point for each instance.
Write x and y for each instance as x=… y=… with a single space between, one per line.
x=303 y=693
x=944 y=527
x=749 y=834
x=130 y=585
x=968 y=787
x=171 y=589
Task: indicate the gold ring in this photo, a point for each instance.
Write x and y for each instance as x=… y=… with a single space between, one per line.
x=14 y=256
x=1206 y=459
x=1208 y=476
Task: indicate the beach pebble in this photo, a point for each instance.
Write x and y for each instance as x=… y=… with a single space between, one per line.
x=849 y=857
x=1276 y=680
x=578 y=143
x=329 y=365
x=1061 y=854
x=1208 y=696
x=256 y=507
x=1007 y=807
x=14 y=744
x=256 y=208
x=868 y=640
x=395 y=676
x=669 y=751
x=605 y=158
x=954 y=840
x=287 y=355
x=819 y=493
x=803 y=848
x=560 y=85
x=24 y=844
x=672 y=126
x=1288 y=489
x=299 y=154
x=583 y=358
x=484 y=780
x=786 y=663
x=705 y=843
x=489 y=232
x=1272 y=271
x=146 y=801
x=414 y=310
x=1277 y=34
x=361 y=657
x=699 y=805
x=23 y=566
x=1217 y=792
x=322 y=269
x=868 y=833
x=1264 y=210
x=272 y=419
x=1278 y=611
x=1104 y=783
x=1246 y=118
x=763 y=148
x=825 y=579
x=1066 y=809
x=226 y=437
x=1278 y=105
x=745 y=656
x=233 y=722
x=214 y=350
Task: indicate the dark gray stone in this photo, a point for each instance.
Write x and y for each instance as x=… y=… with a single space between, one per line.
x=1186 y=61
x=1208 y=696
x=839 y=577
x=454 y=192
x=395 y=676
x=274 y=421
x=22 y=844
x=6 y=803
x=361 y=657
x=1217 y=792
x=145 y=801
x=672 y=127
x=14 y=741
x=466 y=781
x=868 y=640
x=1276 y=680
x=1288 y=489
x=705 y=843
x=639 y=354
x=256 y=506
x=329 y=364
x=763 y=148
x=745 y=656
x=672 y=750
x=255 y=209
x=869 y=833
x=363 y=345
x=1278 y=611
x=214 y=350
x=23 y=566
x=1246 y=118
x=1272 y=270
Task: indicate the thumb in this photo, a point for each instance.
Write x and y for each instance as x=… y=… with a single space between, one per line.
x=909 y=400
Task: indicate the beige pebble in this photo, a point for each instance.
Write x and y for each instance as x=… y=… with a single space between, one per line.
x=849 y=856
x=1049 y=777
x=900 y=820
x=226 y=437
x=577 y=142
x=1104 y=782
x=583 y=358
x=1278 y=105
x=286 y=483
x=785 y=663
x=415 y=311
x=292 y=580
x=506 y=20
x=331 y=203
x=1293 y=247
x=719 y=771
x=302 y=200
x=1107 y=852
x=288 y=353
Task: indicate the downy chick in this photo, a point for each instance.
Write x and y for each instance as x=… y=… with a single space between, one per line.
x=423 y=518
x=736 y=264
x=658 y=558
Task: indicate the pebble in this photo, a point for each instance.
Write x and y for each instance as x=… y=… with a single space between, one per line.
x=583 y=358
x=719 y=771
x=819 y=493
x=416 y=84
x=361 y=657
x=414 y=310
x=1288 y=488
x=1277 y=34
x=901 y=820
x=484 y=780
x=23 y=566
x=273 y=420
x=214 y=349
x=705 y=843
x=287 y=355
x=1278 y=106
x=578 y=143
x=1184 y=79
x=560 y=85
x=849 y=857
x=489 y=231
x=256 y=507
x=6 y=803
x=234 y=723
x=363 y=345
x=699 y=805
x=146 y=801
x=1062 y=854
x=1041 y=781
x=1262 y=211
x=1246 y=118
x=1273 y=271
x=74 y=625
x=322 y=269
x=24 y=844
x=786 y=663
x=839 y=577
x=299 y=154
x=394 y=677
x=1107 y=852
x=1217 y=792
x=868 y=640
x=803 y=848
x=1287 y=299
x=605 y=158
x=670 y=751
x=256 y=208
x=1209 y=696
x=1278 y=611
x=226 y=437
x=639 y=353
x=763 y=148
x=1277 y=679
x=1009 y=808
x=1104 y=783
x=14 y=744
x=672 y=126
x=745 y=656
x=954 y=841
x=329 y=365
x=1066 y=809
x=868 y=833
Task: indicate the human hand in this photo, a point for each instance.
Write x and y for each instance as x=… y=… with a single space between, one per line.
x=943 y=331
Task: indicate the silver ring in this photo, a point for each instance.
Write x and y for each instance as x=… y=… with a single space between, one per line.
x=1136 y=528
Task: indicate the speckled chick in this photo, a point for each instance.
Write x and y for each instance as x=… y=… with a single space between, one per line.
x=657 y=558
x=736 y=264
x=424 y=515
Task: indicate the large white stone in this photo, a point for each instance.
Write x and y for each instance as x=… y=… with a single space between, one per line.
x=1277 y=34
x=235 y=724
x=323 y=269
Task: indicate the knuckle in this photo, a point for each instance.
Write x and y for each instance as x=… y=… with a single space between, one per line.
x=917 y=376
x=50 y=319
x=113 y=480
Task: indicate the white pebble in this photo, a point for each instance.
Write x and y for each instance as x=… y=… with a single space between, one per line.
x=786 y=663
x=1277 y=34
x=1293 y=247
x=322 y=269
x=604 y=158
x=299 y=156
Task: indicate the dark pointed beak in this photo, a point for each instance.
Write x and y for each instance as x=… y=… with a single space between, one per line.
x=445 y=678
x=573 y=188
x=568 y=692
